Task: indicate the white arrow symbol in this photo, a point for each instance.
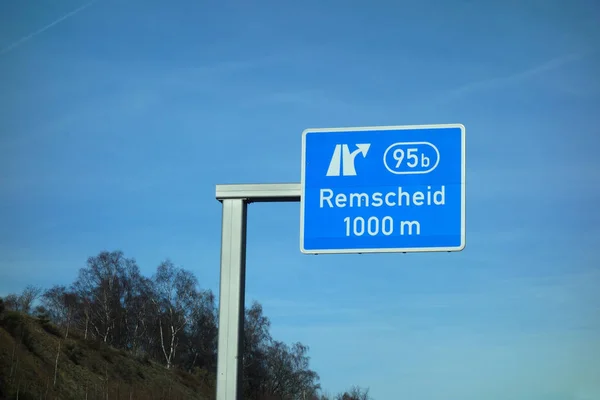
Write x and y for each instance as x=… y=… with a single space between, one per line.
x=363 y=148
x=346 y=160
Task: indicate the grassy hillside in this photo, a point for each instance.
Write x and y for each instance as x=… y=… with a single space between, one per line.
x=30 y=348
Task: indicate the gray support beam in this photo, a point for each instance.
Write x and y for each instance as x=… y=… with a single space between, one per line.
x=235 y=199
x=265 y=192
x=231 y=300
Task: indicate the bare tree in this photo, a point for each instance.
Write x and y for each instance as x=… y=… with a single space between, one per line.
x=61 y=305
x=100 y=284
x=201 y=333
x=24 y=301
x=56 y=363
x=138 y=314
x=11 y=302
x=28 y=297
x=355 y=393
x=83 y=308
x=289 y=372
x=175 y=290
x=256 y=344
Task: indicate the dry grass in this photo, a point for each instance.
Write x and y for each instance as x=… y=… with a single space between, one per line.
x=86 y=370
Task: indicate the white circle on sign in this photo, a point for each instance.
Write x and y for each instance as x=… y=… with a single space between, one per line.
x=393 y=171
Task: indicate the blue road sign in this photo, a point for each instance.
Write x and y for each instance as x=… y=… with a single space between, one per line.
x=383 y=189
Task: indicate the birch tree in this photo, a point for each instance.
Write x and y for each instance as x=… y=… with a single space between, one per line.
x=100 y=283
x=174 y=294
x=61 y=304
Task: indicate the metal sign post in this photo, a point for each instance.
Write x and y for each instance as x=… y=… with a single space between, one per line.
x=235 y=199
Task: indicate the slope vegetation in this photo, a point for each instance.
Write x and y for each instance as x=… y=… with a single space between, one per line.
x=37 y=362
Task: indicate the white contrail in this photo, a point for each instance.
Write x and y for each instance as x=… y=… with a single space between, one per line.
x=45 y=28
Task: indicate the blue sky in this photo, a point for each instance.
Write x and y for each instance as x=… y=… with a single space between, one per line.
x=118 y=120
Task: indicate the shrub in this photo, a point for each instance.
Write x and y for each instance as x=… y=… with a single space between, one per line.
x=74 y=353
x=125 y=371
x=107 y=354
x=143 y=358
x=12 y=321
x=51 y=329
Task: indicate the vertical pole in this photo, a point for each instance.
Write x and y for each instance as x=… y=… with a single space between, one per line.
x=231 y=300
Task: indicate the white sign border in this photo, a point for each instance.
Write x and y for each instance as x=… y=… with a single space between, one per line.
x=386 y=250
